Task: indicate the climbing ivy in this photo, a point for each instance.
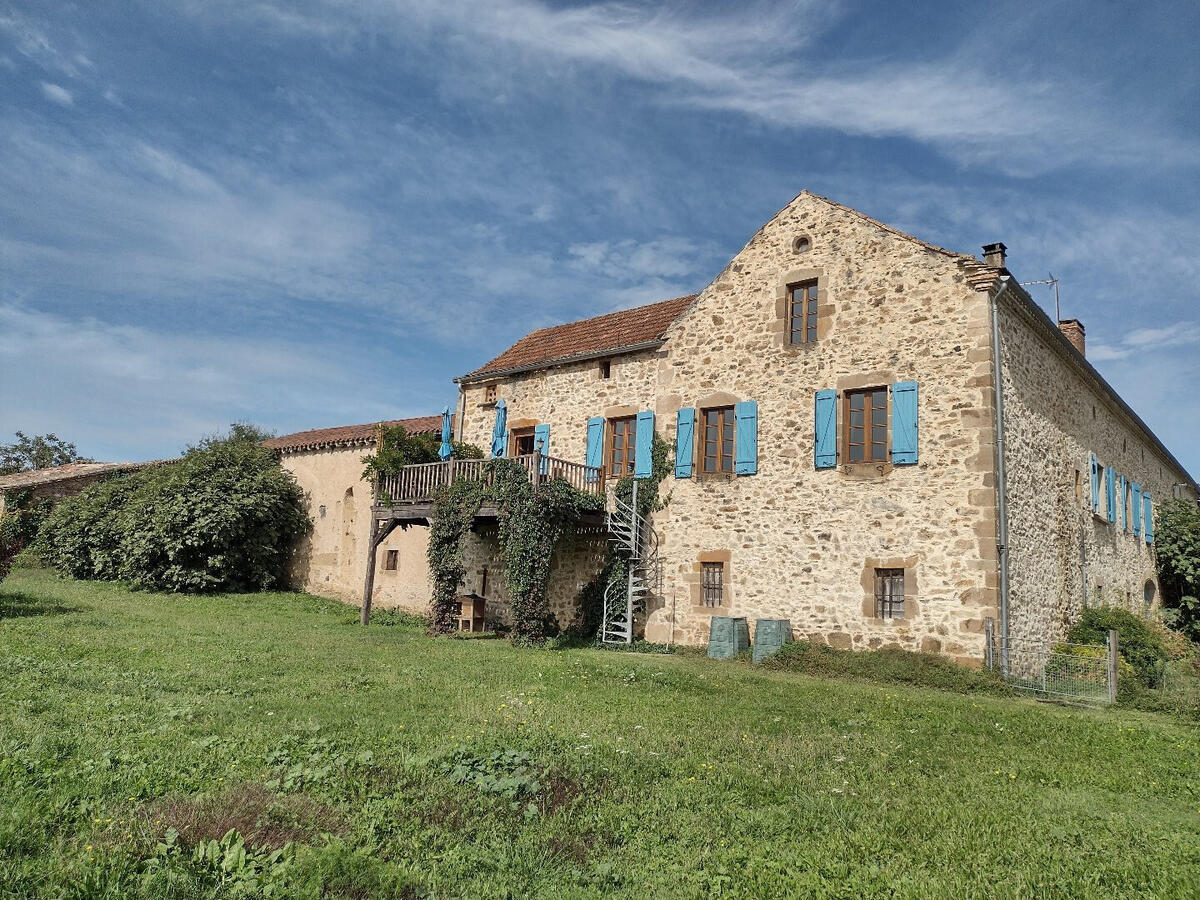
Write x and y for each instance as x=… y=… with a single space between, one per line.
x=586 y=626
x=453 y=511
x=533 y=518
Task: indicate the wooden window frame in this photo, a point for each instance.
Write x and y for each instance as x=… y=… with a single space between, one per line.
x=848 y=427
x=627 y=426
x=712 y=584
x=888 y=603
x=391 y=561
x=808 y=315
x=726 y=434
x=518 y=435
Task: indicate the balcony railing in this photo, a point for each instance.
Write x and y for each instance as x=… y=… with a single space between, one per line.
x=419 y=483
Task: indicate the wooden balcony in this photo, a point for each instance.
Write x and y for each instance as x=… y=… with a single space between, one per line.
x=408 y=494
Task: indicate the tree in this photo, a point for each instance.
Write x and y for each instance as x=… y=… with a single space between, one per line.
x=42 y=451
x=399 y=449
x=1177 y=547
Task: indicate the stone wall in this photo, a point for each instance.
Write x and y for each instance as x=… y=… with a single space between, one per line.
x=576 y=561
x=1062 y=555
x=332 y=561
x=802 y=543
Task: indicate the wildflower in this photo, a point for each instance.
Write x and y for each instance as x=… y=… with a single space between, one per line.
x=88 y=847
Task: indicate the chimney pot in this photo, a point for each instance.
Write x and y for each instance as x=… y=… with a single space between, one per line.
x=1074 y=331
x=994 y=255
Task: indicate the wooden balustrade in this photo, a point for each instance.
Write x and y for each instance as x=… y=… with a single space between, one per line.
x=418 y=483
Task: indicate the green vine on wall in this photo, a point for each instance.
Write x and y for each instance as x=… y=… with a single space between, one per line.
x=533 y=518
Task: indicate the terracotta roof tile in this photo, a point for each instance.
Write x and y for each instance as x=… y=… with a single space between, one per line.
x=349 y=435
x=612 y=332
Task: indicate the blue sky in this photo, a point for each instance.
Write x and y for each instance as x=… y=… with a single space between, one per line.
x=306 y=213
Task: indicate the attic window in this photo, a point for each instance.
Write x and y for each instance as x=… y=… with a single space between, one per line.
x=801 y=244
x=489 y=393
x=606 y=369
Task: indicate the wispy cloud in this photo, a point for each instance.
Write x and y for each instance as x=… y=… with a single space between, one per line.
x=752 y=60
x=1157 y=340
x=57 y=94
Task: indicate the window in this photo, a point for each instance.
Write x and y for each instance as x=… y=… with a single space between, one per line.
x=522 y=441
x=712 y=583
x=392 y=560
x=889 y=593
x=866 y=425
x=622 y=444
x=489 y=393
x=716 y=451
x=802 y=312
x=321 y=510
x=605 y=368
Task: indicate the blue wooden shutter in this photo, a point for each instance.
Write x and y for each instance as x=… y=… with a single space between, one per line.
x=1095 y=483
x=825 y=429
x=643 y=454
x=1137 y=508
x=1149 y=517
x=745 y=442
x=595 y=446
x=904 y=423
x=685 y=431
x=541 y=443
x=1121 y=502
x=1110 y=490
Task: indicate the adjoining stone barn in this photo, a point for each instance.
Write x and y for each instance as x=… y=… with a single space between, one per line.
x=885 y=442
x=66 y=480
x=327 y=463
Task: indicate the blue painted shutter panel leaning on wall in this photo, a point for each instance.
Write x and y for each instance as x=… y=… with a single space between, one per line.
x=904 y=423
x=595 y=446
x=643 y=455
x=745 y=442
x=1149 y=517
x=1110 y=486
x=825 y=429
x=1137 y=508
x=1095 y=483
x=685 y=431
x=541 y=443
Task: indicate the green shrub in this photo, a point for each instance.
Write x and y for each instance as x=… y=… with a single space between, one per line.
x=225 y=517
x=1177 y=549
x=889 y=666
x=1136 y=640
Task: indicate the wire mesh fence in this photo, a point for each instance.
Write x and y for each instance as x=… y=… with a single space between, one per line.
x=1083 y=673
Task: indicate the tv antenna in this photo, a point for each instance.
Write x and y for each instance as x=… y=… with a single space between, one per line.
x=1053 y=281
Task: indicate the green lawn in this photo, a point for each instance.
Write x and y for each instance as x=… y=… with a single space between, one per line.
x=124 y=715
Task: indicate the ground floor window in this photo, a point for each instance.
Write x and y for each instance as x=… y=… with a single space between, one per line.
x=522 y=441
x=889 y=593
x=712 y=583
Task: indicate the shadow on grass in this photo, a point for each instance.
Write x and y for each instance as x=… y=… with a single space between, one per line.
x=19 y=605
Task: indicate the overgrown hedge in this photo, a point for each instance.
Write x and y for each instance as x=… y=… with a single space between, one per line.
x=1177 y=548
x=225 y=517
x=1136 y=641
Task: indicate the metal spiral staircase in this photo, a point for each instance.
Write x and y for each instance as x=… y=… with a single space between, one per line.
x=638 y=543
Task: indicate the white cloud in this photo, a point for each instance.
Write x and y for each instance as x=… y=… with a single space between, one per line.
x=32 y=42
x=750 y=59
x=57 y=94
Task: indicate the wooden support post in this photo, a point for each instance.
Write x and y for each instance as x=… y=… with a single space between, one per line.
x=379 y=532
x=1112 y=665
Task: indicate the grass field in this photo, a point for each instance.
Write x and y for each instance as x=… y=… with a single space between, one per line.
x=136 y=728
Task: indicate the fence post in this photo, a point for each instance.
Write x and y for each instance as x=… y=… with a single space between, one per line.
x=1112 y=665
x=989 y=635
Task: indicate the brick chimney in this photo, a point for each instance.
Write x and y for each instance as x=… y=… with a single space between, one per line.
x=1073 y=329
x=994 y=255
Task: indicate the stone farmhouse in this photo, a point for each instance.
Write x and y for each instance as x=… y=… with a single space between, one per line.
x=882 y=441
